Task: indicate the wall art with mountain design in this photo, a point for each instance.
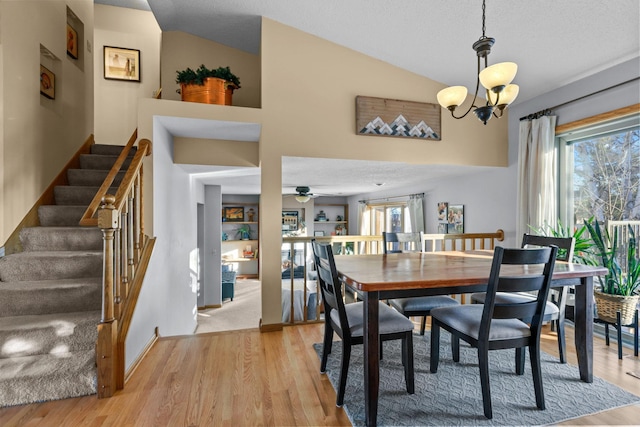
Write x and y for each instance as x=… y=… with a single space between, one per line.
x=393 y=117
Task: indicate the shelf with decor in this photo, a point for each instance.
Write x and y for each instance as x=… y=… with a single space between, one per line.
x=331 y=219
x=240 y=238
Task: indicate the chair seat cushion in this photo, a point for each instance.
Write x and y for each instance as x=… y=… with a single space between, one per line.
x=466 y=319
x=551 y=311
x=390 y=320
x=421 y=306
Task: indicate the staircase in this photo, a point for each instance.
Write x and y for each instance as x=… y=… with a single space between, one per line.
x=51 y=293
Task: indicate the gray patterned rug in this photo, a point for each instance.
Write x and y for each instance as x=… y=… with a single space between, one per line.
x=453 y=396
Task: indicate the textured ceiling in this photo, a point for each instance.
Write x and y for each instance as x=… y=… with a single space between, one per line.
x=553 y=42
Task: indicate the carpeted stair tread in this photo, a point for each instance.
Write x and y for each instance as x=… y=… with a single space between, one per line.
x=61 y=238
x=111 y=150
x=91 y=177
x=50 y=265
x=32 y=379
x=77 y=194
x=60 y=215
x=48 y=334
x=101 y=161
x=50 y=296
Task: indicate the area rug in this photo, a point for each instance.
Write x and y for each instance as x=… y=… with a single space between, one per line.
x=452 y=396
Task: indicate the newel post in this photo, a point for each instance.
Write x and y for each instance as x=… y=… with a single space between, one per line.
x=108 y=326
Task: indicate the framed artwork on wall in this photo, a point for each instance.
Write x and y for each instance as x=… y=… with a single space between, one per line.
x=72 y=42
x=233 y=214
x=456 y=218
x=121 y=64
x=289 y=220
x=47 y=82
x=397 y=118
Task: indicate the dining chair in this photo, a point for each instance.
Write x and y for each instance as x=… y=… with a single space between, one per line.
x=415 y=306
x=556 y=305
x=347 y=320
x=497 y=326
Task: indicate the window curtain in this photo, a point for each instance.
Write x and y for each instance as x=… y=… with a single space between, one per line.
x=364 y=219
x=415 y=205
x=537 y=175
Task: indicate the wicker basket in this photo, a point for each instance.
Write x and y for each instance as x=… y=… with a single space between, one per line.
x=607 y=305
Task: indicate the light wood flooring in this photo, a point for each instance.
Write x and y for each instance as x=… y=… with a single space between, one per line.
x=245 y=378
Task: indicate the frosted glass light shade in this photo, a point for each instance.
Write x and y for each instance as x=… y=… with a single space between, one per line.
x=452 y=96
x=303 y=199
x=500 y=74
x=507 y=96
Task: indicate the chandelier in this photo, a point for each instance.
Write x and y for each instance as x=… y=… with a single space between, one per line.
x=496 y=80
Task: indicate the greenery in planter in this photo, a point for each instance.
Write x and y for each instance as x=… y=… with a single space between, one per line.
x=616 y=282
x=583 y=246
x=244 y=232
x=198 y=76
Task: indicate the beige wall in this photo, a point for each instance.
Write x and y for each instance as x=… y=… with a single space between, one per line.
x=200 y=151
x=39 y=135
x=309 y=87
x=116 y=101
x=181 y=50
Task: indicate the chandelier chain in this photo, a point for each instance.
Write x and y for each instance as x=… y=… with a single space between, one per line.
x=483 y=24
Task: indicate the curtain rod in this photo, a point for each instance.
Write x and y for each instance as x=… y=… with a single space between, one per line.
x=548 y=111
x=390 y=197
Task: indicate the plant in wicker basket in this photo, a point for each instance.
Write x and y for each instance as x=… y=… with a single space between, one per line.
x=619 y=289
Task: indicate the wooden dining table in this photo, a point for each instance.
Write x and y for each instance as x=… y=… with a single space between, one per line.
x=381 y=277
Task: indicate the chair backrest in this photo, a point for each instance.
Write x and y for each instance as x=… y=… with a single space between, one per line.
x=330 y=284
x=534 y=275
x=565 y=244
x=395 y=243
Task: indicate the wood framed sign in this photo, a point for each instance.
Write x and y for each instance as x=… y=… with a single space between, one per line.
x=396 y=118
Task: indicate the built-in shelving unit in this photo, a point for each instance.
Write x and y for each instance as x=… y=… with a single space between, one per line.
x=336 y=219
x=239 y=253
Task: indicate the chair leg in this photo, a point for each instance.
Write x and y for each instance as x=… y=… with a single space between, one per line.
x=520 y=360
x=326 y=347
x=562 y=343
x=455 y=348
x=483 y=363
x=344 y=369
x=536 y=370
x=635 y=334
x=423 y=325
x=407 y=350
x=435 y=347
x=619 y=330
x=606 y=334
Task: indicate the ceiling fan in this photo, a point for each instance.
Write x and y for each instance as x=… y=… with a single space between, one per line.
x=303 y=195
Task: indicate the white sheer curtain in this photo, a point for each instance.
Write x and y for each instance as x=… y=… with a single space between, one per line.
x=364 y=219
x=415 y=205
x=537 y=175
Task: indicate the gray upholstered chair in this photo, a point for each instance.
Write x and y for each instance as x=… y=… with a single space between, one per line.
x=348 y=321
x=556 y=305
x=416 y=306
x=497 y=326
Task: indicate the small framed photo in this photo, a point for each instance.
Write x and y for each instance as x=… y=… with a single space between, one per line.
x=47 y=83
x=442 y=212
x=121 y=64
x=456 y=218
x=318 y=233
x=72 y=42
x=233 y=214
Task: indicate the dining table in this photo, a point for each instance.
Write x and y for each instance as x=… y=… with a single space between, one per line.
x=379 y=277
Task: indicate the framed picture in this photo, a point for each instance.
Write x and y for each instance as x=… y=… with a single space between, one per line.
x=456 y=218
x=318 y=233
x=443 y=212
x=289 y=220
x=47 y=83
x=121 y=64
x=233 y=214
x=397 y=118
x=72 y=42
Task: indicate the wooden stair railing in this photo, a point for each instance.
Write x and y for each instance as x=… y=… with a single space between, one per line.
x=127 y=251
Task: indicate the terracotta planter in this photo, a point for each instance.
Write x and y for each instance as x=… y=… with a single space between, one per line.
x=607 y=305
x=213 y=91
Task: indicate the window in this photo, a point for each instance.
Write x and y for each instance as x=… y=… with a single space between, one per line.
x=600 y=172
x=393 y=217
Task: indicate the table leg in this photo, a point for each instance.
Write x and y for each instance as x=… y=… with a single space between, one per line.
x=371 y=357
x=584 y=328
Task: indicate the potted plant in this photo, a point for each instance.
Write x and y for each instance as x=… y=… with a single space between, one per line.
x=207 y=86
x=243 y=232
x=619 y=289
